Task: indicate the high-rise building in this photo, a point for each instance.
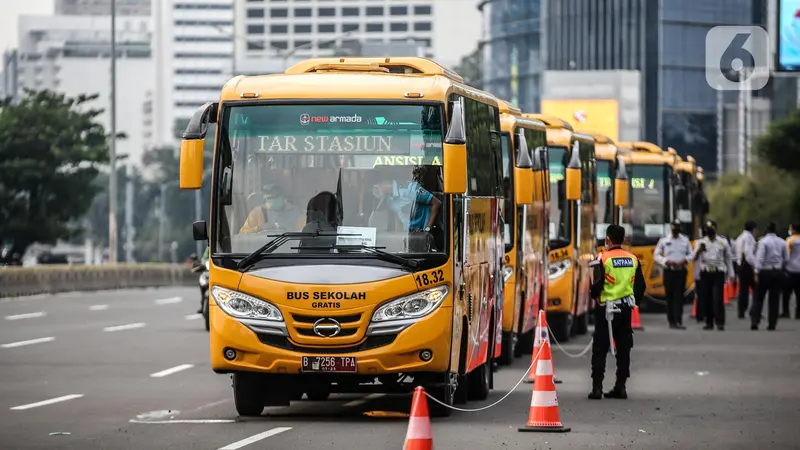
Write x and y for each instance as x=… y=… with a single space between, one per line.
x=71 y=55
x=193 y=55
x=288 y=30
x=512 y=66
x=102 y=7
x=665 y=42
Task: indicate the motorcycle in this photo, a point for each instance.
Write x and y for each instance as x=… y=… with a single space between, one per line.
x=203 y=282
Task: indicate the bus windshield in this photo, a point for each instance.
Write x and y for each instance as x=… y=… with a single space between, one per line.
x=354 y=174
x=508 y=205
x=648 y=218
x=605 y=202
x=559 y=212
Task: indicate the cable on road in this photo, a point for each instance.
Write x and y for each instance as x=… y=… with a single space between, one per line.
x=524 y=376
x=581 y=354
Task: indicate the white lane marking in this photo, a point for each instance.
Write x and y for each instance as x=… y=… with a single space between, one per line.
x=166 y=422
x=98 y=307
x=361 y=401
x=194 y=316
x=129 y=326
x=26 y=316
x=171 y=370
x=29 y=342
x=160 y=414
x=169 y=301
x=47 y=402
x=255 y=438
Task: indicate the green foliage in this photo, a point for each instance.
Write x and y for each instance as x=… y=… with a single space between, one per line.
x=769 y=195
x=51 y=148
x=471 y=68
x=780 y=146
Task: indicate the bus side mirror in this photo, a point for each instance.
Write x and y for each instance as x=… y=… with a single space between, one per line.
x=455 y=154
x=621 y=185
x=538 y=176
x=523 y=175
x=573 y=175
x=194 y=138
x=200 y=231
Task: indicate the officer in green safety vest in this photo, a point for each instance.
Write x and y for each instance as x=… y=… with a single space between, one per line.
x=617 y=282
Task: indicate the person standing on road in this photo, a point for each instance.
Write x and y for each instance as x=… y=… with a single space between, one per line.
x=745 y=261
x=673 y=253
x=771 y=259
x=793 y=271
x=617 y=280
x=713 y=254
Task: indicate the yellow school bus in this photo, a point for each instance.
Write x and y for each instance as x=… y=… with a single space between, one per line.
x=525 y=222
x=650 y=211
x=612 y=184
x=354 y=231
x=690 y=207
x=571 y=234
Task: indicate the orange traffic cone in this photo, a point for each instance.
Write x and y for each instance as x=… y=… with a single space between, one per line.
x=543 y=415
x=727 y=293
x=540 y=335
x=694 y=307
x=636 y=321
x=419 y=436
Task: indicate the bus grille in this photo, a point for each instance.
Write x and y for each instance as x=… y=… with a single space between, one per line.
x=369 y=343
x=303 y=324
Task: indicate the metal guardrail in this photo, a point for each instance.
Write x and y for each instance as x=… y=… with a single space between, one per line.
x=21 y=281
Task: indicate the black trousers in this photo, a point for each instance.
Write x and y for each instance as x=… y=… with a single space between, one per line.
x=747 y=280
x=675 y=285
x=710 y=294
x=623 y=335
x=792 y=285
x=769 y=282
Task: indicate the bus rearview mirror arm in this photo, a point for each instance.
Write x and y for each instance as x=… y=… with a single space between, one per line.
x=621 y=185
x=573 y=175
x=455 y=153
x=194 y=138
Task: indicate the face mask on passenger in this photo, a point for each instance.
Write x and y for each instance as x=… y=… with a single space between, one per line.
x=275 y=203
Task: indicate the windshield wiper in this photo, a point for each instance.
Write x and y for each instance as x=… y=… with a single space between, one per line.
x=279 y=240
x=386 y=256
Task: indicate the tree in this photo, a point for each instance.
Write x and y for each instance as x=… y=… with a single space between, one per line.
x=51 y=148
x=780 y=146
x=471 y=68
x=766 y=196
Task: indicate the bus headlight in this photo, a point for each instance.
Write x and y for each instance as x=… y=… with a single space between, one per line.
x=558 y=268
x=507 y=272
x=243 y=306
x=412 y=306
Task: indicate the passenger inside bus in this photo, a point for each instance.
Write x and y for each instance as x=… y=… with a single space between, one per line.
x=322 y=215
x=270 y=209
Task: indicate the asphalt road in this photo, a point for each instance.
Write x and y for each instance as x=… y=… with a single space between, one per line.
x=129 y=369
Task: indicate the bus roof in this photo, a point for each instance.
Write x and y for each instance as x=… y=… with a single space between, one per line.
x=511 y=117
x=647 y=153
x=356 y=78
x=559 y=132
x=604 y=147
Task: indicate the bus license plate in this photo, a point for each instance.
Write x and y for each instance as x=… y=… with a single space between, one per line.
x=329 y=364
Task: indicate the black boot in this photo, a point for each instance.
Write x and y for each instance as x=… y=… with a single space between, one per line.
x=597 y=390
x=618 y=391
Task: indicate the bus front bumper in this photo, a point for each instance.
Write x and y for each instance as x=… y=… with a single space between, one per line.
x=375 y=355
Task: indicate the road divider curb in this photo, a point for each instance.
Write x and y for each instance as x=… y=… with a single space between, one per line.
x=25 y=281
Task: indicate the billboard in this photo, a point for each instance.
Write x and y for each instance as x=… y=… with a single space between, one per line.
x=788 y=31
x=598 y=115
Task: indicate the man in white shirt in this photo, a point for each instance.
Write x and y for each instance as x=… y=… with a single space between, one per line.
x=673 y=253
x=745 y=260
x=771 y=258
x=713 y=254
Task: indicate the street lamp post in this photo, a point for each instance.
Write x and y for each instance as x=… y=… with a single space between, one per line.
x=112 y=179
x=162 y=216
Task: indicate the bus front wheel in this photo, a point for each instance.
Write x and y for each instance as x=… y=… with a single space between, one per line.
x=561 y=325
x=508 y=347
x=248 y=394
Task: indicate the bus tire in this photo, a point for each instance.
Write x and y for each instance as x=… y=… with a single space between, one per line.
x=445 y=395
x=248 y=394
x=480 y=379
x=560 y=324
x=582 y=324
x=508 y=351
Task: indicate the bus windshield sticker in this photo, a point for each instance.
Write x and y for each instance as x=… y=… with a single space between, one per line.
x=366 y=236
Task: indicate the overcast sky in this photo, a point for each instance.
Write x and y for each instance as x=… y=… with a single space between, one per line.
x=10 y=10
